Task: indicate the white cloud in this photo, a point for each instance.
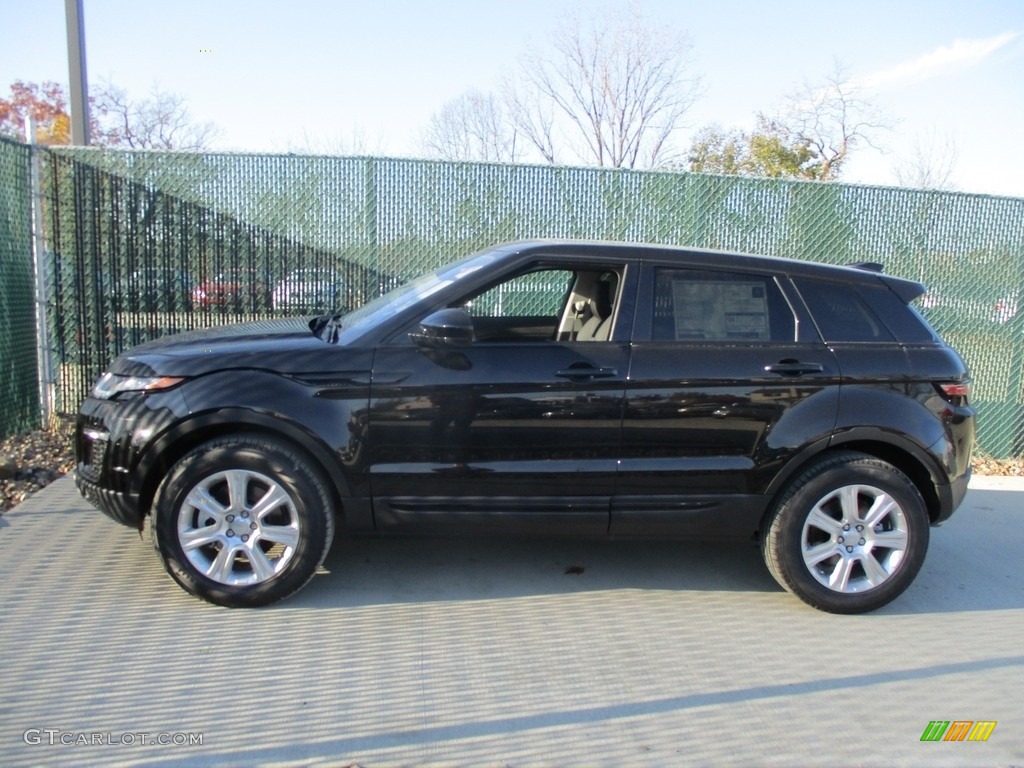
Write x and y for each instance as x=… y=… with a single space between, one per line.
x=944 y=59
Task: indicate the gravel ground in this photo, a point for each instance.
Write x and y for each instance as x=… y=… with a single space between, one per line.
x=33 y=460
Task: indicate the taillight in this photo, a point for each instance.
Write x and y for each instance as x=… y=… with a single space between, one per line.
x=955 y=392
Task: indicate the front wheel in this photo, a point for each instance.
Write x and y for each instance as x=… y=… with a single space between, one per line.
x=242 y=521
x=849 y=535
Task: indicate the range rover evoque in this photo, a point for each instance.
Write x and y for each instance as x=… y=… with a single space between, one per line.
x=550 y=387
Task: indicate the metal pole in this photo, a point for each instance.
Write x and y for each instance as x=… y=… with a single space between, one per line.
x=40 y=267
x=77 y=73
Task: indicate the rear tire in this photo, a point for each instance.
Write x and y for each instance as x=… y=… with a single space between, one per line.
x=849 y=534
x=242 y=521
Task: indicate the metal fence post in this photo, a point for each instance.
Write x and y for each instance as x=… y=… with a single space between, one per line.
x=40 y=268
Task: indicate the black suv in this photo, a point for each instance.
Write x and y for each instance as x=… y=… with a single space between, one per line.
x=550 y=388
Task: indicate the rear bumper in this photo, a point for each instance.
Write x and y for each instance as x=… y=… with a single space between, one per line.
x=951 y=496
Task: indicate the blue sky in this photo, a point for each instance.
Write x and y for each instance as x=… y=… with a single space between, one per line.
x=368 y=75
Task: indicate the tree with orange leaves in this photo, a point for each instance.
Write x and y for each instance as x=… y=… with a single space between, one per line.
x=159 y=122
x=46 y=103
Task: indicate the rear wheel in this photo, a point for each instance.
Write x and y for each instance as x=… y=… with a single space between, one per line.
x=849 y=535
x=242 y=521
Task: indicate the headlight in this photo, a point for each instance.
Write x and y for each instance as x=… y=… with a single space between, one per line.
x=112 y=384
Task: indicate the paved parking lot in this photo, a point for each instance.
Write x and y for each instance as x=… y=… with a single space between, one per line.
x=440 y=652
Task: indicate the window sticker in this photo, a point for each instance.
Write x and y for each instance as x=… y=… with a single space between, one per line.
x=718 y=310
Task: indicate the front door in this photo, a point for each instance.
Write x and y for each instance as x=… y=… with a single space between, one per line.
x=517 y=431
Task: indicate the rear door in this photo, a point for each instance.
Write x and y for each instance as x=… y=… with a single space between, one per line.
x=725 y=385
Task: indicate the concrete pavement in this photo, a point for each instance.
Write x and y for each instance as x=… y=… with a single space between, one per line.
x=441 y=652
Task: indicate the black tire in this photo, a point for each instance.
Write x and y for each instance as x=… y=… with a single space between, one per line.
x=217 y=542
x=812 y=544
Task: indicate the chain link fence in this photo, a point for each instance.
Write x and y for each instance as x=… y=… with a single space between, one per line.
x=19 y=390
x=145 y=243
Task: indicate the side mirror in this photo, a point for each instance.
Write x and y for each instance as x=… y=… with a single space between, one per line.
x=445 y=329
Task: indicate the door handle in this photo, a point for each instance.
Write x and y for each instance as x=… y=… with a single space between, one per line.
x=584 y=373
x=793 y=368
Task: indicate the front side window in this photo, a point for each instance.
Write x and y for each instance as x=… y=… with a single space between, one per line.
x=536 y=294
x=706 y=306
x=547 y=304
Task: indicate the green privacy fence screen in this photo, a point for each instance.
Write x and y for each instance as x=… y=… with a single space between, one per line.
x=135 y=242
x=19 y=392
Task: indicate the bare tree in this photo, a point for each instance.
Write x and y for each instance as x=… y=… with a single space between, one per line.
x=159 y=122
x=930 y=163
x=474 y=126
x=612 y=91
x=832 y=119
x=357 y=142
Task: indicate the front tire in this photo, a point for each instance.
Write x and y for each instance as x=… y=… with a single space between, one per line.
x=242 y=521
x=849 y=534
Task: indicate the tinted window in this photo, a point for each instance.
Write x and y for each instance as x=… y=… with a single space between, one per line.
x=699 y=305
x=900 y=318
x=841 y=314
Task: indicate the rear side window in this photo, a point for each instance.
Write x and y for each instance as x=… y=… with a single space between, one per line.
x=900 y=318
x=700 y=305
x=840 y=312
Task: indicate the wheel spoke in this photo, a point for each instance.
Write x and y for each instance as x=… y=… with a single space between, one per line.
x=285 y=535
x=198 y=537
x=816 y=554
x=221 y=567
x=262 y=568
x=874 y=571
x=849 y=500
x=880 y=509
x=238 y=484
x=818 y=519
x=272 y=499
x=840 y=578
x=199 y=498
x=891 y=540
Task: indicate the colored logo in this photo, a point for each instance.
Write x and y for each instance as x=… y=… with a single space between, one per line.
x=958 y=730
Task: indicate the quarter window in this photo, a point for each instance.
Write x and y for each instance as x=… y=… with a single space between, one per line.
x=699 y=305
x=841 y=314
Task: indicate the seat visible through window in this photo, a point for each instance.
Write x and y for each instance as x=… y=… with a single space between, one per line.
x=598 y=311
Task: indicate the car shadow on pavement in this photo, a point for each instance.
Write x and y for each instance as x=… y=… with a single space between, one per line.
x=364 y=571
x=972 y=565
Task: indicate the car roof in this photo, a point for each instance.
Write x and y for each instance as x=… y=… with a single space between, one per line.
x=906 y=289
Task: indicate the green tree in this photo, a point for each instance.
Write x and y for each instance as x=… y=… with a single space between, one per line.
x=816 y=131
x=769 y=150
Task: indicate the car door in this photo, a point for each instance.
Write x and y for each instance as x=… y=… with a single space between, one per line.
x=723 y=388
x=518 y=430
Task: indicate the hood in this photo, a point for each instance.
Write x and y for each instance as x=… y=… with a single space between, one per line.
x=285 y=346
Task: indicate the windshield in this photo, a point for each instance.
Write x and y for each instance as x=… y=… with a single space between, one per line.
x=399 y=299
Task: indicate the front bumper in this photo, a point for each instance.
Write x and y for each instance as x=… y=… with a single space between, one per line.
x=110 y=439
x=121 y=506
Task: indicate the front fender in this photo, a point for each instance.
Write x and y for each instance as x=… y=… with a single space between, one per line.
x=329 y=425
